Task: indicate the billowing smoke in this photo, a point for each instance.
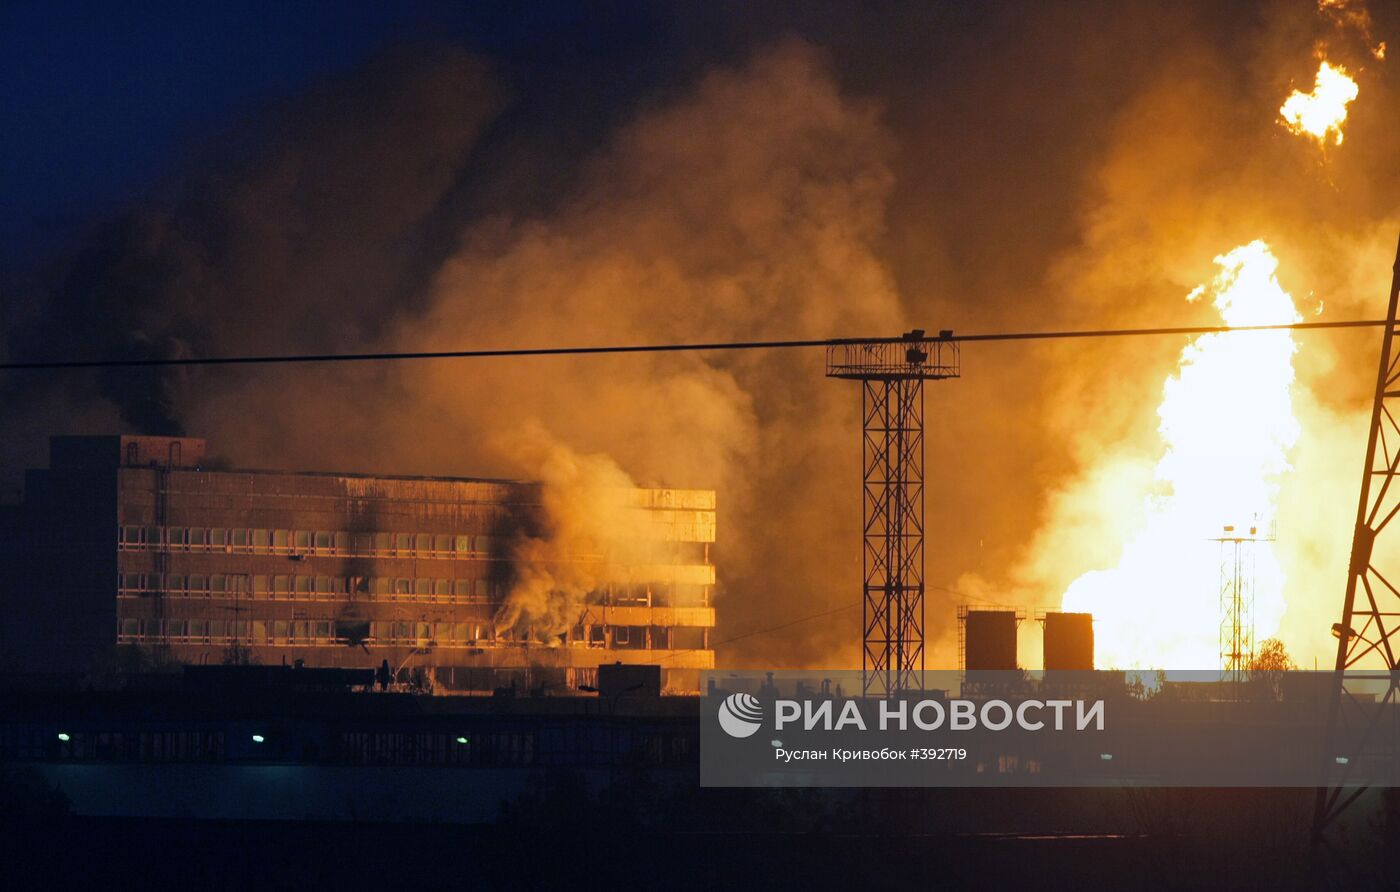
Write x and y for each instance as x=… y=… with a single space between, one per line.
x=590 y=535
x=982 y=167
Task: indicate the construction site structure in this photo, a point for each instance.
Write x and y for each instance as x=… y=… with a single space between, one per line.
x=136 y=547
x=1362 y=748
x=892 y=375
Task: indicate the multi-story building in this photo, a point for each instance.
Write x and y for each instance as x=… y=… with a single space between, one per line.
x=138 y=544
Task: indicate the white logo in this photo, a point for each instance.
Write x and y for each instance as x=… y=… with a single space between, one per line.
x=740 y=715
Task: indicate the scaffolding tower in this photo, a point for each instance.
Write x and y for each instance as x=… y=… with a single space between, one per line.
x=1237 y=581
x=892 y=374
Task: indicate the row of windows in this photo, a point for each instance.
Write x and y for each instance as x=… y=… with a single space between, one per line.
x=343 y=543
x=284 y=587
x=279 y=586
x=300 y=631
x=305 y=541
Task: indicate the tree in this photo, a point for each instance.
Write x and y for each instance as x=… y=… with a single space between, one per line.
x=1272 y=657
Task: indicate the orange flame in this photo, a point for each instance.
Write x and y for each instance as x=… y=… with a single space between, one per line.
x=1227 y=425
x=1320 y=114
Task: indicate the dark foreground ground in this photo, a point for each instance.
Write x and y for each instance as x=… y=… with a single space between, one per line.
x=111 y=853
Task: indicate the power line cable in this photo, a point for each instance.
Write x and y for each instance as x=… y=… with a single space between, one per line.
x=518 y=352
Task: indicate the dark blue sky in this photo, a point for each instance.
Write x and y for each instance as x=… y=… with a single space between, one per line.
x=99 y=98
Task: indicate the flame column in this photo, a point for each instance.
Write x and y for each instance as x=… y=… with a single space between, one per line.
x=892 y=375
x=1363 y=730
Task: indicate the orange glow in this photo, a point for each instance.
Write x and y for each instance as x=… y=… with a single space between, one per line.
x=1320 y=114
x=1227 y=424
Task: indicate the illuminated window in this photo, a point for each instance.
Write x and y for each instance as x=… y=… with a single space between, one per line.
x=303 y=584
x=461 y=587
x=262 y=539
x=463 y=543
x=218 y=537
x=281 y=539
x=403 y=586
x=323 y=539
x=403 y=542
x=383 y=542
x=302 y=540
x=281 y=583
x=341 y=541
x=262 y=584
x=442 y=543
x=326 y=584
x=442 y=586
x=422 y=586
x=423 y=543
x=279 y=630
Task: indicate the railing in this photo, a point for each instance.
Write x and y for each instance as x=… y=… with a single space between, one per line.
x=917 y=357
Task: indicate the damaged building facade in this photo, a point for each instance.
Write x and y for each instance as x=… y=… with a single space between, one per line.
x=133 y=544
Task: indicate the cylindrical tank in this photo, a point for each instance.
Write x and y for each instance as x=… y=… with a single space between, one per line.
x=1069 y=641
x=990 y=639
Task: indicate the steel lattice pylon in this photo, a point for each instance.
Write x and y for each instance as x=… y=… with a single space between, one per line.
x=1363 y=735
x=892 y=375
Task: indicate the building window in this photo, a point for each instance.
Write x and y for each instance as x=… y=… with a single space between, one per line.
x=262 y=539
x=423 y=543
x=281 y=540
x=198 y=537
x=403 y=542
x=302 y=538
x=239 y=538
x=323 y=540
x=218 y=537
x=622 y=635
x=130 y=628
x=403 y=586
x=199 y=583
x=463 y=544
x=303 y=584
x=218 y=583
